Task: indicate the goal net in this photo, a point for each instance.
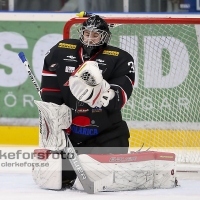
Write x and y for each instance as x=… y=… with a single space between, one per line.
x=163 y=112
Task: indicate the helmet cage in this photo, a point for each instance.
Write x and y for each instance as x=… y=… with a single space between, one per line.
x=104 y=36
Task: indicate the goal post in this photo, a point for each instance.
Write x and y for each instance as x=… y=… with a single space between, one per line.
x=163 y=112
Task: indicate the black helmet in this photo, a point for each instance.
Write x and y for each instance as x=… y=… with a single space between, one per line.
x=95 y=24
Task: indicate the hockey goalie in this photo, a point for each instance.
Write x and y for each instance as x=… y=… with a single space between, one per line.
x=83 y=138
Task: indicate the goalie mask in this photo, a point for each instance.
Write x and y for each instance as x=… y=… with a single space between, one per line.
x=94 y=34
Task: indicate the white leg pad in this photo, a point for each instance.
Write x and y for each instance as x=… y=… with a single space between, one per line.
x=47 y=169
x=165 y=170
x=144 y=170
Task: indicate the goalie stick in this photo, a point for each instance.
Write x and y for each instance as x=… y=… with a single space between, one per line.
x=89 y=186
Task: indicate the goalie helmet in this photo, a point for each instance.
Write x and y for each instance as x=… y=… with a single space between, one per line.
x=94 y=24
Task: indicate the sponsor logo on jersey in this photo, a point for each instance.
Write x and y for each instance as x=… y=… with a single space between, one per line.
x=100 y=62
x=69 y=69
x=111 y=53
x=82 y=110
x=80 y=125
x=67 y=46
x=96 y=110
x=70 y=58
x=84 y=130
x=54 y=67
x=81 y=121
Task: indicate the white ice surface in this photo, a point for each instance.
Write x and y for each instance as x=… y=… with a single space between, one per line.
x=20 y=186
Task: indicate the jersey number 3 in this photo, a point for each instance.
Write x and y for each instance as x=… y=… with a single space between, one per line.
x=132 y=66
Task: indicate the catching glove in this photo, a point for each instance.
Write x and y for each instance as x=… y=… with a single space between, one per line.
x=88 y=85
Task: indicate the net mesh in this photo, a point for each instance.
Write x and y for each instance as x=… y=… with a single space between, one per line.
x=164 y=109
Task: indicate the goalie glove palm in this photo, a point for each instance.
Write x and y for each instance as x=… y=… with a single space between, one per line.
x=86 y=93
x=85 y=84
x=88 y=85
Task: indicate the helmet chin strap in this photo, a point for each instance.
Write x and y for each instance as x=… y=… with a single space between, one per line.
x=89 y=51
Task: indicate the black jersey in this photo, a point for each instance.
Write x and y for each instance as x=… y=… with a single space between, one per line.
x=117 y=67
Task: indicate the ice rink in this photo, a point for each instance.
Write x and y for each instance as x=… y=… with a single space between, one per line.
x=17 y=184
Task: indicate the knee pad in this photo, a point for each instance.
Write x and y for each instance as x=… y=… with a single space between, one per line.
x=47 y=169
